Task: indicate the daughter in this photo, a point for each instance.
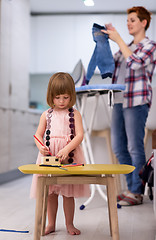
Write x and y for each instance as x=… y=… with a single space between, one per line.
x=61 y=128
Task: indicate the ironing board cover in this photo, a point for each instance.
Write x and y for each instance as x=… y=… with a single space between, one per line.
x=100 y=87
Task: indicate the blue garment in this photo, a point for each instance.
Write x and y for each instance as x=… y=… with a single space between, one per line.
x=102 y=55
x=127 y=137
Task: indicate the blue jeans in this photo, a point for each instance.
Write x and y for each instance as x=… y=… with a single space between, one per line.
x=102 y=55
x=127 y=138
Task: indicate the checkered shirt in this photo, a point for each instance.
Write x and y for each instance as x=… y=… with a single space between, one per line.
x=139 y=70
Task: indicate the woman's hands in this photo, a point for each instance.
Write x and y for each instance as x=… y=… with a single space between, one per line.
x=112 y=33
x=115 y=36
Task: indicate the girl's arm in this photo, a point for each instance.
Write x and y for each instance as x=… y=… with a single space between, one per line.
x=40 y=133
x=75 y=142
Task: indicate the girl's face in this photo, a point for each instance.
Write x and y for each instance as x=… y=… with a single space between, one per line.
x=61 y=101
x=134 y=24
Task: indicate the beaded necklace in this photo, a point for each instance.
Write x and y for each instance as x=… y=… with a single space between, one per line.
x=71 y=126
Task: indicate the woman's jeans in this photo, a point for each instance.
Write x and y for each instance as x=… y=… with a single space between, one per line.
x=127 y=137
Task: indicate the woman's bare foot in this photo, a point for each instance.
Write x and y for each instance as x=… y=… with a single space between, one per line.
x=49 y=229
x=72 y=230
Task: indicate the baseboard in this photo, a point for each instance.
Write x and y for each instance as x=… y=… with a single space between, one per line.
x=10 y=176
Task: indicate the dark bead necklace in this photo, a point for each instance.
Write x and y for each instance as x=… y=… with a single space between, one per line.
x=71 y=126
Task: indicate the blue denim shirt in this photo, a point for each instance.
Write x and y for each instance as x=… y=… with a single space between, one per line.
x=102 y=55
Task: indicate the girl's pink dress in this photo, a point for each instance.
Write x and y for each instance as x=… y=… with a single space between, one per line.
x=59 y=137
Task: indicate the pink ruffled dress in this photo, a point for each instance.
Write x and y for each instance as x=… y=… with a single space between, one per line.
x=58 y=122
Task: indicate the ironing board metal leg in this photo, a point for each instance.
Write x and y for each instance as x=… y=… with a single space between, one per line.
x=91 y=197
x=86 y=144
x=101 y=192
x=93 y=114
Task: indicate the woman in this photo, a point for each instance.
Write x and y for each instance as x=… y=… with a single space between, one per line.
x=134 y=66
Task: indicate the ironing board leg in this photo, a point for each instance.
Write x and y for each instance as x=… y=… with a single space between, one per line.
x=101 y=192
x=39 y=207
x=86 y=144
x=44 y=214
x=90 y=198
x=112 y=208
x=42 y=196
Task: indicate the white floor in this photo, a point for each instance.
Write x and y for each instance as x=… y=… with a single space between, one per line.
x=17 y=212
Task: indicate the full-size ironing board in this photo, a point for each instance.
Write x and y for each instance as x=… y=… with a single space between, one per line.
x=83 y=93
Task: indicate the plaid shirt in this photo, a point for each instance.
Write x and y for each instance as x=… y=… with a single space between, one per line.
x=139 y=70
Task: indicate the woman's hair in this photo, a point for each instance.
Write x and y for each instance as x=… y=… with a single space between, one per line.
x=142 y=14
x=61 y=83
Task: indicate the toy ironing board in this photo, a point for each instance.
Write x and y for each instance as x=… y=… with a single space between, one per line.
x=102 y=174
x=83 y=93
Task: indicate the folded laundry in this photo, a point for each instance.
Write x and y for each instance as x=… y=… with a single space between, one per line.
x=102 y=55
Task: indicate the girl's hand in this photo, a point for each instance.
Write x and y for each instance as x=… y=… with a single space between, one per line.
x=44 y=150
x=62 y=154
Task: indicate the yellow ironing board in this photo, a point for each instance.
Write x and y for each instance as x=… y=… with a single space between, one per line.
x=102 y=174
x=87 y=169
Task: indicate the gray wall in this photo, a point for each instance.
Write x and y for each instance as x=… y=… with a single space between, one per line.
x=16 y=129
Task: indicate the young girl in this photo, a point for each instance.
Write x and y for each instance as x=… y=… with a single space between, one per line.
x=61 y=128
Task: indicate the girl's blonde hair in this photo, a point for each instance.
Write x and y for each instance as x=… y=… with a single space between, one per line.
x=61 y=83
